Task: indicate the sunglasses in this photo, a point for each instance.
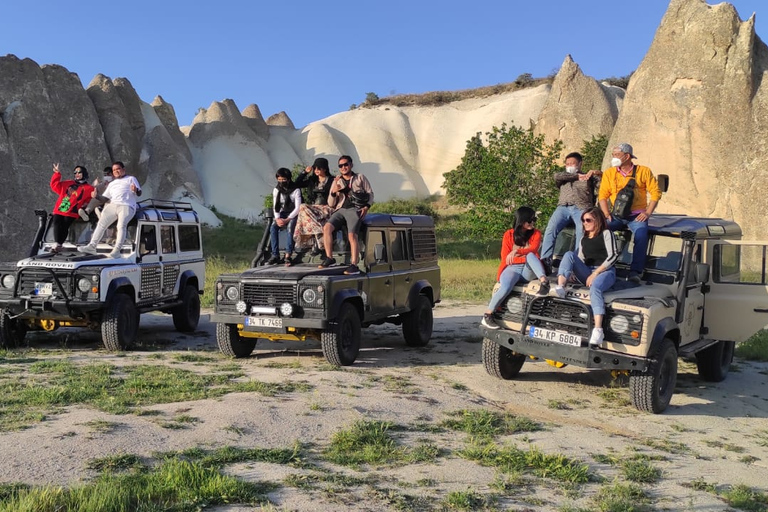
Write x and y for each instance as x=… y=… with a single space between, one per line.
x=587 y=220
x=345 y=164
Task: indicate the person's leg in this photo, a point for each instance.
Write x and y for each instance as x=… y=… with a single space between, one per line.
x=556 y=223
x=581 y=270
x=291 y=228
x=59 y=229
x=124 y=216
x=108 y=216
x=507 y=280
x=575 y=213
x=600 y=285
x=617 y=224
x=328 y=239
x=274 y=238
x=565 y=270
x=640 y=235
x=354 y=255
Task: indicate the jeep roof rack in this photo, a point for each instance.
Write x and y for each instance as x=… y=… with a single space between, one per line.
x=167 y=209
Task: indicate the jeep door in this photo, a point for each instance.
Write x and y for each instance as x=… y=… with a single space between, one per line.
x=170 y=259
x=736 y=305
x=401 y=266
x=149 y=263
x=379 y=274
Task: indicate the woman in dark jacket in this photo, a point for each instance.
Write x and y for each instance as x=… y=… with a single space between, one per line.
x=317 y=179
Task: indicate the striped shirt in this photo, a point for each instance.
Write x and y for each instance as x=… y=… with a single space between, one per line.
x=599 y=251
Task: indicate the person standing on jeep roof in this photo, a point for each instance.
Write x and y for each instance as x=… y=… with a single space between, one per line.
x=351 y=197
x=121 y=194
x=286 y=200
x=614 y=180
x=73 y=194
x=576 y=195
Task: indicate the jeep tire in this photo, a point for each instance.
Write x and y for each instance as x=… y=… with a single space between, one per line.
x=652 y=390
x=417 y=323
x=341 y=343
x=120 y=324
x=231 y=343
x=501 y=362
x=12 y=331
x=714 y=362
x=187 y=314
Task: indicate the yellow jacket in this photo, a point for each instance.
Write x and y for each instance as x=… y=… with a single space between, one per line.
x=645 y=183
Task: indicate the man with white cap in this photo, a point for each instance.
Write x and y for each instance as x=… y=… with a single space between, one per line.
x=614 y=181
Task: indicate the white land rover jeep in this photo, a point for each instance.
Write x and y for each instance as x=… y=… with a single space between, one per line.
x=160 y=268
x=703 y=289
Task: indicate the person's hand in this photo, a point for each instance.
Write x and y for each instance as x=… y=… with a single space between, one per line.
x=133 y=188
x=308 y=169
x=56 y=167
x=590 y=279
x=642 y=217
x=572 y=278
x=363 y=212
x=336 y=187
x=93 y=194
x=584 y=177
x=608 y=217
x=280 y=222
x=511 y=256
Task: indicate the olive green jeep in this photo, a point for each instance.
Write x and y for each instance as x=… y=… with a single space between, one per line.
x=703 y=289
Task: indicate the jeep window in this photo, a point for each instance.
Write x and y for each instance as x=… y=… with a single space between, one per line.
x=189 y=238
x=168 y=239
x=740 y=264
x=424 y=244
x=148 y=240
x=665 y=253
x=399 y=245
x=375 y=237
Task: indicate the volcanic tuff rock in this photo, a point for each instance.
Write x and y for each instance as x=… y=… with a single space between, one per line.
x=280 y=119
x=167 y=116
x=578 y=108
x=255 y=120
x=696 y=109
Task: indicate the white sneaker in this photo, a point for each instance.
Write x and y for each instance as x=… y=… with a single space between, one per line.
x=597 y=337
x=560 y=291
x=115 y=253
x=97 y=211
x=83 y=215
x=88 y=249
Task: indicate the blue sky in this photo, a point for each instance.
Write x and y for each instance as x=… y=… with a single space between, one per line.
x=314 y=59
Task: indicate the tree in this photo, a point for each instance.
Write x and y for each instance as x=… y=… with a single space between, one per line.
x=507 y=168
x=371 y=98
x=593 y=151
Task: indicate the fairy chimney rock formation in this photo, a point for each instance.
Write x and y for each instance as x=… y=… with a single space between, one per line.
x=280 y=119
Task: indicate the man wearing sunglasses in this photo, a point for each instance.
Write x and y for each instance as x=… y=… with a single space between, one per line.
x=351 y=197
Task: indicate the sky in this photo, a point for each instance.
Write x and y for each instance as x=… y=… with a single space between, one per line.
x=314 y=59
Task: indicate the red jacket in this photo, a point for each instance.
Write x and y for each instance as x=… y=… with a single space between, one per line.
x=509 y=241
x=72 y=195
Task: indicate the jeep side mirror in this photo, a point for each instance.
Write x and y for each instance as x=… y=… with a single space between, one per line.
x=378 y=252
x=663 y=181
x=701 y=272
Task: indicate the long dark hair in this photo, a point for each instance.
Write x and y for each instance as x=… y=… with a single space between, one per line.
x=523 y=215
x=596 y=214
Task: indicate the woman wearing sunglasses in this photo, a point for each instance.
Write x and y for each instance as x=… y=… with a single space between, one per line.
x=519 y=259
x=593 y=266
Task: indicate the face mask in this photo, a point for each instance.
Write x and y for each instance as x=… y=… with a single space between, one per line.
x=615 y=162
x=571 y=169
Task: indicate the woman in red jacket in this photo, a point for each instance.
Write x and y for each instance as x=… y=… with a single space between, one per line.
x=73 y=194
x=519 y=259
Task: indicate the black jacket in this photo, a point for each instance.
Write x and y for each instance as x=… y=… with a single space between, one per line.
x=316 y=194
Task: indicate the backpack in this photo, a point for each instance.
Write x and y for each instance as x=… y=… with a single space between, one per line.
x=622 y=205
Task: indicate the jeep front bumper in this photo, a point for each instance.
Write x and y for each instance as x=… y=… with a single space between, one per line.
x=49 y=308
x=584 y=357
x=288 y=322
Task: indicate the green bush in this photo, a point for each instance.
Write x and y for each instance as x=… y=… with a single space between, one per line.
x=413 y=206
x=593 y=151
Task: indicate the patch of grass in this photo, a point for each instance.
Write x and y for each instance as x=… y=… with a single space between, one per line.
x=560 y=405
x=311 y=481
x=396 y=500
x=748 y=459
x=102 y=426
x=295 y=364
x=640 y=471
x=191 y=357
x=466 y=279
x=425 y=452
x=761 y=437
x=271 y=388
x=459 y=386
x=668 y=446
x=366 y=442
x=755 y=348
x=616 y=397
x=233 y=429
x=619 y=497
x=173 y=485
x=740 y=497
x=465 y=500
x=10 y=491
x=715 y=443
x=396 y=384
x=510 y=459
x=179 y=422
x=120 y=462
x=484 y=423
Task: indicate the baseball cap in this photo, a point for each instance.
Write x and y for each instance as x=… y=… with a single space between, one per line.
x=626 y=148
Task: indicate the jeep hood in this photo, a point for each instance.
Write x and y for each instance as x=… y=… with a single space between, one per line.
x=295 y=272
x=69 y=260
x=621 y=290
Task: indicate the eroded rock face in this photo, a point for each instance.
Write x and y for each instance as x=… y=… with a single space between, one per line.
x=280 y=119
x=167 y=116
x=255 y=120
x=578 y=108
x=696 y=109
x=46 y=117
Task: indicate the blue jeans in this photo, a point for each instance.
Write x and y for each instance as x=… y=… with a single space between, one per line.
x=557 y=222
x=640 y=234
x=274 y=234
x=572 y=264
x=512 y=274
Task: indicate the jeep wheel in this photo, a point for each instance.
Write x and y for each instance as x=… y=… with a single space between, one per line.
x=652 y=390
x=417 y=323
x=501 y=362
x=187 y=314
x=12 y=331
x=231 y=343
x=715 y=361
x=341 y=342
x=120 y=323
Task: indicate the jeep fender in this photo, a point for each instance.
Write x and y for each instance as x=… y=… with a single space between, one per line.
x=118 y=285
x=420 y=287
x=186 y=277
x=667 y=328
x=343 y=296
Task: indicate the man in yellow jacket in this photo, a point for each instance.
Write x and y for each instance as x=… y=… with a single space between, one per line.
x=616 y=178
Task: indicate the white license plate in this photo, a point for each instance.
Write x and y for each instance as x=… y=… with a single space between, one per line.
x=43 y=288
x=263 y=321
x=557 y=337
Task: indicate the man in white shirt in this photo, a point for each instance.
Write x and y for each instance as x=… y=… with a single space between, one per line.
x=121 y=193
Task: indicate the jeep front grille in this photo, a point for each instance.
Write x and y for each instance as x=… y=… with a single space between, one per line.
x=260 y=294
x=560 y=315
x=28 y=278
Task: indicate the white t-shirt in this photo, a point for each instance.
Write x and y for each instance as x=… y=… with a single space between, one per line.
x=119 y=191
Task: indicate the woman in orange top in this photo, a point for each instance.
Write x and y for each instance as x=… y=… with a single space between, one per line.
x=519 y=259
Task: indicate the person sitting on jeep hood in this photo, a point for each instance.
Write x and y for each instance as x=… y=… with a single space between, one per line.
x=286 y=200
x=73 y=194
x=351 y=197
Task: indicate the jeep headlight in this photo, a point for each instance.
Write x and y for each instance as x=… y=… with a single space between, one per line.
x=286 y=309
x=515 y=306
x=309 y=296
x=619 y=324
x=84 y=284
x=232 y=293
x=9 y=280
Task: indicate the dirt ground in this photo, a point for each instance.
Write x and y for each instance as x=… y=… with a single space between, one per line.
x=712 y=432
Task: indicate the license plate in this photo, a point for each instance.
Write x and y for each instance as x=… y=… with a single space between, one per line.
x=43 y=288
x=263 y=321
x=557 y=337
